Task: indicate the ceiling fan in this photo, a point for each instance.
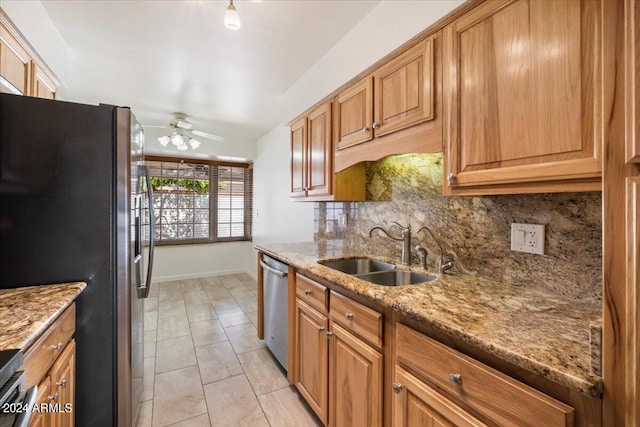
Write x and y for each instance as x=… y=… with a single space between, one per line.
x=183 y=134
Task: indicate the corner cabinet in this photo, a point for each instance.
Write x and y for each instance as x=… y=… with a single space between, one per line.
x=312 y=176
x=524 y=107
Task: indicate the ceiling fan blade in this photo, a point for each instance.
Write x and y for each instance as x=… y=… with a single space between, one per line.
x=157 y=127
x=208 y=135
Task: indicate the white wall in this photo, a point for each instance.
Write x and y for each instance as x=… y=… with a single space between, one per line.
x=34 y=23
x=191 y=261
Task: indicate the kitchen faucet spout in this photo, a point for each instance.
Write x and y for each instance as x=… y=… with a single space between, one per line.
x=405 y=238
x=442 y=264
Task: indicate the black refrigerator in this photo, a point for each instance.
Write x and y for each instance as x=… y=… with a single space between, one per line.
x=74 y=194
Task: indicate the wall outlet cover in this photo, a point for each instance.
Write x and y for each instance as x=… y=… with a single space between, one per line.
x=527 y=238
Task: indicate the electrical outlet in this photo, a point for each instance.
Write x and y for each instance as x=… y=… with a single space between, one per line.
x=527 y=238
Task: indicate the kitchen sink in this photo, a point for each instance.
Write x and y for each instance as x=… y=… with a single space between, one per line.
x=378 y=272
x=358 y=266
x=396 y=278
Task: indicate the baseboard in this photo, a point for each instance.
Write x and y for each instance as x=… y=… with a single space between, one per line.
x=202 y=274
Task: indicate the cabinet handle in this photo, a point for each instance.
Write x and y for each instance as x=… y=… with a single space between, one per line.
x=452 y=178
x=56 y=347
x=62 y=384
x=307 y=292
x=455 y=380
x=54 y=398
x=348 y=316
x=397 y=388
x=376 y=125
x=365 y=129
x=320 y=328
x=329 y=333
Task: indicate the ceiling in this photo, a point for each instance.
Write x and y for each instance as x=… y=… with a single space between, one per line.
x=159 y=57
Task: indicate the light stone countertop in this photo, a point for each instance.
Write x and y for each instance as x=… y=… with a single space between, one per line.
x=539 y=332
x=25 y=313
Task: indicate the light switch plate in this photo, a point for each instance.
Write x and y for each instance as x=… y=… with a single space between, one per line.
x=527 y=238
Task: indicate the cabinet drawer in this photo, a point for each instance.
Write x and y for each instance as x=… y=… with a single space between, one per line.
x=41 y=355
x=491 y=393
x=361 y=320
x=313 y=293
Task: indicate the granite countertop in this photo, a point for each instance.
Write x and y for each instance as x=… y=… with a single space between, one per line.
x=25 y=313
x=540 y=332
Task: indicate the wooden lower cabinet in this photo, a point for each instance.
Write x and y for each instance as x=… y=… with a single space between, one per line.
x=336 y=372
x=45 y=397
x=312 y=352
x=415 y=404
x=355 y=381
x=63 y=379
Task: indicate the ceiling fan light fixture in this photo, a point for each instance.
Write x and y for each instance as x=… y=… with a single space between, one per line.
x=231 y=18
x=164 y=140
x=194 y=143
x=183 y=147
x=177 y=140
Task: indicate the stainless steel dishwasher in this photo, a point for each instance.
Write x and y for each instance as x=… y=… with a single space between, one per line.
x=275 y=308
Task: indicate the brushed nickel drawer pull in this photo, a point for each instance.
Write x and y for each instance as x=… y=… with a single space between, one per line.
x=307 y=292
x=56 y=347
x=348 y=316
x=62 y=384
x=397 y=388
x=320 y=328
x=329 y=333
x=455 y=380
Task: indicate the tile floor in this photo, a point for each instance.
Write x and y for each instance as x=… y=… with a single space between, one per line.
x=204 y=365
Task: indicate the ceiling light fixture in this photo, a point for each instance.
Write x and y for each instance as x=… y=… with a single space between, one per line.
x=231 y=18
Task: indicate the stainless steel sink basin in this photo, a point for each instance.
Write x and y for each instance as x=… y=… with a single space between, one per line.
x=396 y=278
x=358 y=266
x=378 y=272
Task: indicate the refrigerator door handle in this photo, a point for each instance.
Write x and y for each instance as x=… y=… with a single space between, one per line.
x=143 y=288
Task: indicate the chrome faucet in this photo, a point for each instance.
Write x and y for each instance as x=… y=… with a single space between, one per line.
x=422 y=256
x=442 y=265
x=405 y=239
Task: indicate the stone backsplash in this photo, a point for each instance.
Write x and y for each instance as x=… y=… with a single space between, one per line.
x=474 y=231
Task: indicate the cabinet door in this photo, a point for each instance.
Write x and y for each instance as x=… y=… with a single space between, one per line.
x=15 y=65
x=632 y=79
x=355 y=381
x=312 y=347
x=45 y=397
x=415 y=404
x=522 y=93
x=354 y=114
x=319 y=152
x=63 y=382
x=298 y=156
x=404 y=90
x=43 y=86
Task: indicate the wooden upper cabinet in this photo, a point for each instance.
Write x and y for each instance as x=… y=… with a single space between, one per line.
x=522 y=97
x=15 y=65
x=354 y=114
x=404 y=90
x=43 y=86
x=298 y=157
x=319 y=151
x=632 y=80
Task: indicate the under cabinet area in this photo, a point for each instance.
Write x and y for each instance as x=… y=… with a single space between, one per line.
x=523 y=98
x=338 y=373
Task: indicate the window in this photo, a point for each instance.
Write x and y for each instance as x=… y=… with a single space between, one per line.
x=200 y=202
